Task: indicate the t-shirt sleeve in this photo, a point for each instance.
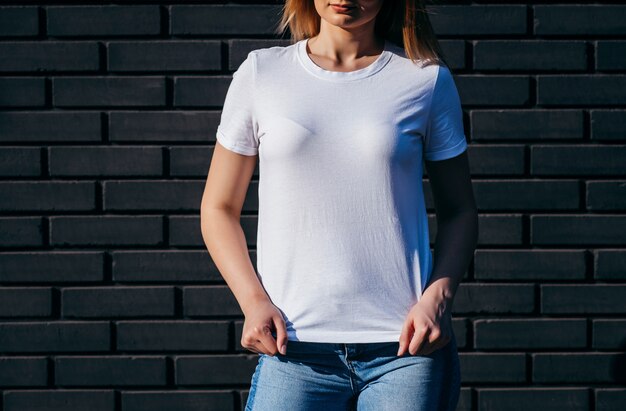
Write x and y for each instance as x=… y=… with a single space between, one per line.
x=444 y=136
x=237 y=130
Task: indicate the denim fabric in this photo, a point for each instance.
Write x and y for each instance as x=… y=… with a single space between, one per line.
x=357 y=376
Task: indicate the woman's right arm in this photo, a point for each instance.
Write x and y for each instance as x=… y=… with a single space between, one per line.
x=225 y=190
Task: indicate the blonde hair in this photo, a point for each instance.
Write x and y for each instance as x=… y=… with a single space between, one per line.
x=402 y=22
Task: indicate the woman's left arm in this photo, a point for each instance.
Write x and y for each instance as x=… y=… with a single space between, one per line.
x=457 y=223
x=428 y=325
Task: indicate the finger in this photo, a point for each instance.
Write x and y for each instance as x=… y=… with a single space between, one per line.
x=427 y=348
x=418 y=340
x=254 y=349
x=266 y=340
x=281 y=334
x=431 y=342
x=407 y=329
x=247 y=343
x=251 y=345
x=441 y=342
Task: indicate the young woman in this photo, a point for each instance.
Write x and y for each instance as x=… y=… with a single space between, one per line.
x=348 y=309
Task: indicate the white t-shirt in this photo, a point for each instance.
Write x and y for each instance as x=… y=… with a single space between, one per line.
x=342 y=243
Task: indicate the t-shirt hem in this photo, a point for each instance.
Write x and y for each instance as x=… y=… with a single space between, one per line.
x=448 y=153
x=223 y=140
x=344 y=337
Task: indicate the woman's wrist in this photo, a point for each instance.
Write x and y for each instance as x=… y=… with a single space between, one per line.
x=441 y=293
x=252 y=300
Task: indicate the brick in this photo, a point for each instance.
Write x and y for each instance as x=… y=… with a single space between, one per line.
x=193 y=161
x=51 y=266
x=195 y=370
x=583 y=299
x=49 y=56
x=513 y=194
x=610 y=399
x=495 y=159
x=238 y=325
x=493 y=90
x=209 y=301
x=21 y=232
x=518 y=265
x=213 y=400
x=223 y=19
x=51 y=126
x=610 y=55
x=154 y=195
x=174 y=126
x=496 y=229
x=494 y=298
x=609 y=264
x=199 y=91
x=454 y=52
x=22 y=92
x=103 y=20
x=106 y=230
x=492 y=367
x=466 y=399
x=163 y=266
x=59 y=400
x=19 y=21
x=478 y=19
x=93 y=302
x=608 y=334
x=116 y=91
x=47 y=196
x=606 y=195
x=105 y=161
x=584 y=19
x=20 y=162
x=608 y=124
x=574 y=367
x=578 y=229
x=460 y=329
x=23 y=372
x=55 y=336
x=178 y=335
x=171 y=55
x=185 y=231
x=120 y=371
x=545 y=399
x=530 y=333
x=527 y=124
x=25 y=302
x=583 y=160
x=530 y=55
x=581 y=89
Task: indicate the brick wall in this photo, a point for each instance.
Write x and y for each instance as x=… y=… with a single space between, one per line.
x=108 y=297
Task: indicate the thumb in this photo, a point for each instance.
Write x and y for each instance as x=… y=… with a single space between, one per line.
x=281 y=334
x=407 y=327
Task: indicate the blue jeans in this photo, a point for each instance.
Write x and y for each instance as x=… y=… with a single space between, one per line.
x=357 y=376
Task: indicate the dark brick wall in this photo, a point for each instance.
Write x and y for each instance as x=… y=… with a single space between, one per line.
x=108 y=297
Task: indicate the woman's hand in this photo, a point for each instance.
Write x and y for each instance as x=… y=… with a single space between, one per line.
x=263 y=318
x=428 y=326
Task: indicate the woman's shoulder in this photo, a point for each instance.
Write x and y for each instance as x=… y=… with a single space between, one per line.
x=275 y=51
x=416 y=73
x=272 y=57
